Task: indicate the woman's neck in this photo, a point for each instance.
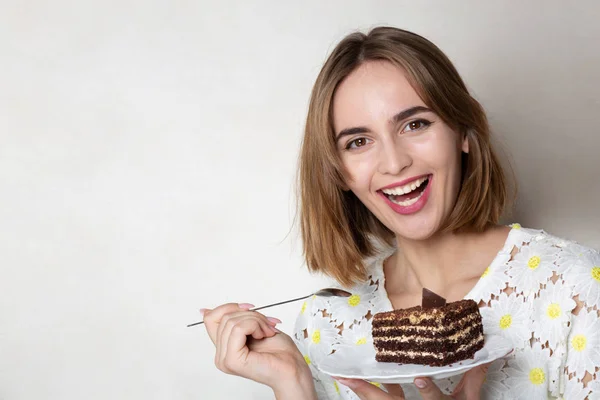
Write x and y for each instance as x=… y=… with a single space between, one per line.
x=445 y=263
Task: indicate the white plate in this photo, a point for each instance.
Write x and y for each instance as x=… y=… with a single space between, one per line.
x=358 y=362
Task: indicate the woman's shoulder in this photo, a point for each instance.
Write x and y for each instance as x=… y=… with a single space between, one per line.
x=561 y=254
x=556 y=262
x=528 y=236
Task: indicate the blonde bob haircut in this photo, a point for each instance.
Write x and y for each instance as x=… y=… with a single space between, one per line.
x=336 y=228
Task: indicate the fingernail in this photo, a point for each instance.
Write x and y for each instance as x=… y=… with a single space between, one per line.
x=275 y=329
x=247 y=306
x=274 y=320
x=421 y=383
x=203 y=311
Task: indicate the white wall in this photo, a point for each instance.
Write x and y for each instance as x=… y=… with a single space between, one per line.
x=148 y=151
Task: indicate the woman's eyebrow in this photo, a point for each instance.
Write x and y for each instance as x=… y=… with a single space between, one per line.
x=409 y=112
x=401 y=116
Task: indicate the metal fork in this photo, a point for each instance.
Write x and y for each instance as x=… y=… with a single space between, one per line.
x=327 y=292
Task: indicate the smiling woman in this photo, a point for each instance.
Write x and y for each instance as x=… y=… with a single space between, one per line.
x=400 y=190
x=392 y=86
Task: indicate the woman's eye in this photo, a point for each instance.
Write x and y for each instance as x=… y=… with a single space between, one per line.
x=416 y=125
x=356 y=143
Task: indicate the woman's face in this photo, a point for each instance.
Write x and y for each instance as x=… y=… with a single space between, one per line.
x=401 y=160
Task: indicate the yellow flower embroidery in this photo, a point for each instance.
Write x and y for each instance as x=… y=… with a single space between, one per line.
x=537 y=376
x=361 y=341
x=354 y=300
x=316 y=336
x=505 y=321
x=375 y=384
x=307 y=359
x=303 y=308
x=534 y=262
x=596 y=273
x=516 y=226
x=579 y=342
x=553 y=311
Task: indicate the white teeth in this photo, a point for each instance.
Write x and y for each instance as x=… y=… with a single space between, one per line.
x=407 y=202
x=409 y=187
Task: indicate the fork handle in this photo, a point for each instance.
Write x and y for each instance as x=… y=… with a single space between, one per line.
x=261 y=307
x=280 y=303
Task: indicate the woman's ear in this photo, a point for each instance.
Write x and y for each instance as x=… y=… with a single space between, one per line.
x=465 y=142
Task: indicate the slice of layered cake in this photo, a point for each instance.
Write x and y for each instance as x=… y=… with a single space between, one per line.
x=434 y=333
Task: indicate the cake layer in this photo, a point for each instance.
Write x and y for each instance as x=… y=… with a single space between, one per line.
x=450 y=343
x=430 y=358
x=417 y=316
x=428 y=331
x=433 y=336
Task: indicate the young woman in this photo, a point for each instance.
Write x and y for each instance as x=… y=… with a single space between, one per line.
x=400 y=189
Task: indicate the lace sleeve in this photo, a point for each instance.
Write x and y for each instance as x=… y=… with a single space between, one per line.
x=581 y=271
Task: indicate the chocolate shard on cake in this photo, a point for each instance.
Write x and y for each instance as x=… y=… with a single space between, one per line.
x=433 y=334
x=431 y=299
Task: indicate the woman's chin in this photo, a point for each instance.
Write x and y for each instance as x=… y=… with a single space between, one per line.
x=418 y=232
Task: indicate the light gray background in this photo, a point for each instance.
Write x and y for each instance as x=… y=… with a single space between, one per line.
x=147 y=159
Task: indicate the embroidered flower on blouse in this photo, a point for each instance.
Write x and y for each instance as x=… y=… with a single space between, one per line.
x=354 y=308
x=321 y=337
x=493 y=388
x=571 y=254
x=329 y=388
x=507 y=316
x=584 y=275
x=493 y=279
x=574 y=390
x=595 y=388
x=553 y=311
x=358 y=335
x=584 y=343
x=531 y=266
x=528 y=373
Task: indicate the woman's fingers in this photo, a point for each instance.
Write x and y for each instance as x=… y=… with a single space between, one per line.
x=212 y=318
x=232 y=352
x=367 y=391
x=395 y=390
x=428 y=389
x=234 y=324
x=469 y=387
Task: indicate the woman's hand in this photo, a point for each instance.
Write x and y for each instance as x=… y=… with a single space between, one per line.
x=468 y=388
x=248 y=345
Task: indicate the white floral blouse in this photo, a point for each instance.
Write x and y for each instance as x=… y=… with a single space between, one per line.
x=529 y=295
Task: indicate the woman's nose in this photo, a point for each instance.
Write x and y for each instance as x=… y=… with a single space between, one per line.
x=393 y=159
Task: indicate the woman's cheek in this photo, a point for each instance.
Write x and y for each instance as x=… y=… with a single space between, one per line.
x=358 y=169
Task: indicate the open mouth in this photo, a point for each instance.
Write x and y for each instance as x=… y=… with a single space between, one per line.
x=408 y=194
